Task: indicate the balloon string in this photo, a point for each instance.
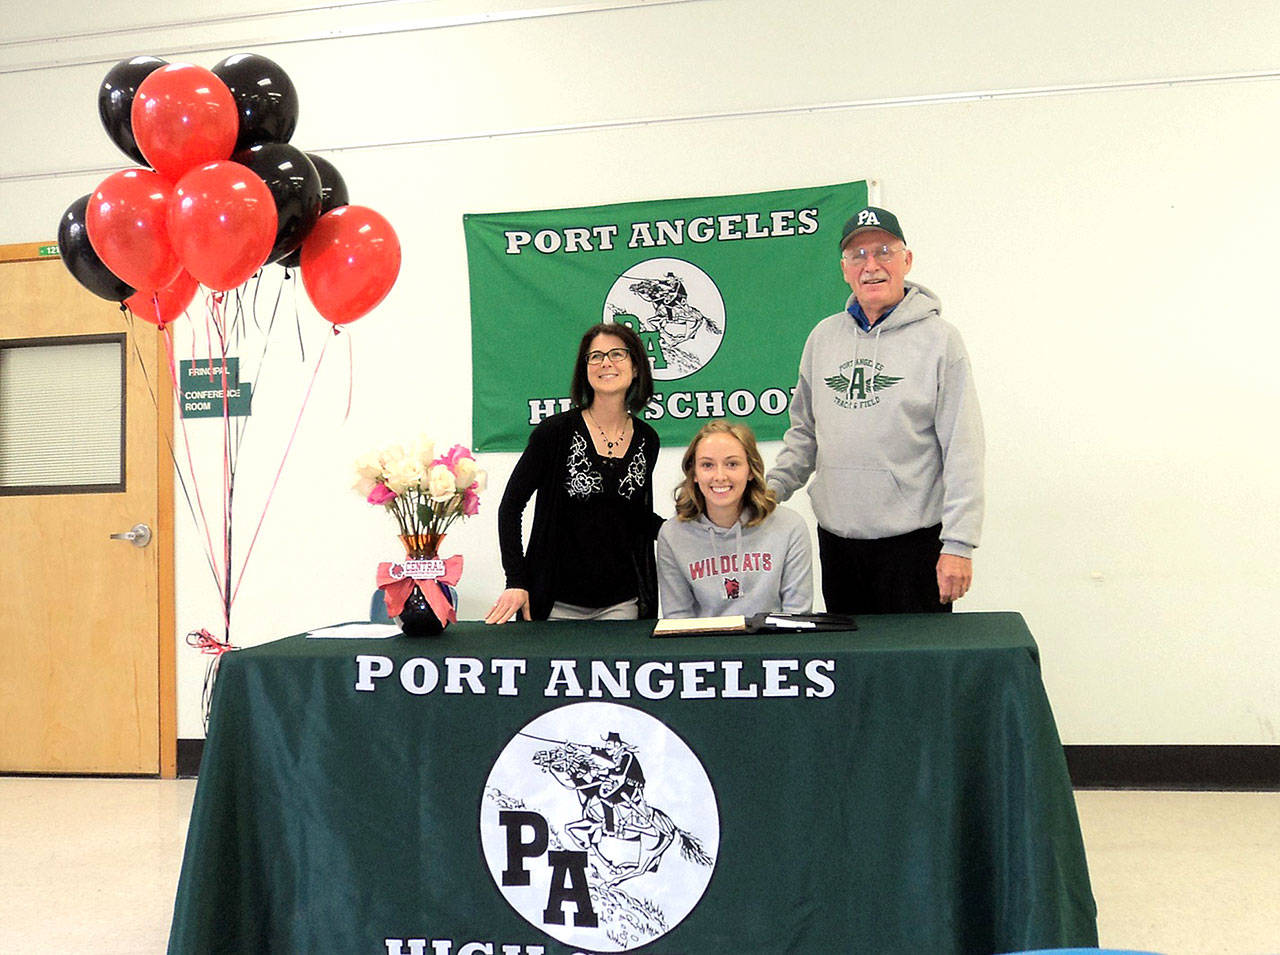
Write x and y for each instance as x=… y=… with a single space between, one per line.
x=206 y=642
x=351 y=376
x=297 y=318
x=186 y=440
x=305 y=399
x=262 y=359
x=168 y=443
x=210 y=320
x=228 y=484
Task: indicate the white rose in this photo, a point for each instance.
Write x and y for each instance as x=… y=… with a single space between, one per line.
x=465 y=472
x=368 y=466
x=482 y=480
x=390 y=456
x=424 y=450
x=440 y=483
x=405 y=475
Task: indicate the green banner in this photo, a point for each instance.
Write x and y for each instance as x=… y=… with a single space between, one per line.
x=723 y=291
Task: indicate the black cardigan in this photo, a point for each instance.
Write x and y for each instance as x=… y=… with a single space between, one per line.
x=544 y=468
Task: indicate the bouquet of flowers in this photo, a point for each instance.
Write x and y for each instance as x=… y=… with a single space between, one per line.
x=425 y=493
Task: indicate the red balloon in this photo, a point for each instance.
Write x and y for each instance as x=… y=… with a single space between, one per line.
x=127 y=223
x=162 y=306
x=222 y=221
x=183 y=116
x=350 y=260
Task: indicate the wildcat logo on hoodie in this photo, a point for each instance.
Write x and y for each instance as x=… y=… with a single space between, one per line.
x=732 y=589
x=857 y=386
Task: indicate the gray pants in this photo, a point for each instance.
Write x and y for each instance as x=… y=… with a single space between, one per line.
x=627 y=610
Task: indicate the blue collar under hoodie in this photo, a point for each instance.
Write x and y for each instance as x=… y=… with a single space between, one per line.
x=916 y=304
x=705 y=570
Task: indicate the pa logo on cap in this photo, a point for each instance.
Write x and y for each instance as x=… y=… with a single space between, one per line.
x=871 y=217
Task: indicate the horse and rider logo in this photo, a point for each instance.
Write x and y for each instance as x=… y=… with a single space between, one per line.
x=582 y=809
x=675 y=308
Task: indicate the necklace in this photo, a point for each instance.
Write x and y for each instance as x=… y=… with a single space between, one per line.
x=609 y=444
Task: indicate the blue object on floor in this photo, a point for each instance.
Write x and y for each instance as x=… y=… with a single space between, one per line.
x=1084 y=951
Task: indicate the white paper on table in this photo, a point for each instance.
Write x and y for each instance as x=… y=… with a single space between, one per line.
x=789 y=624
x=356 y=631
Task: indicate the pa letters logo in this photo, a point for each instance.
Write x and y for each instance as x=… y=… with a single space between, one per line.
x=599 y=826
x=676 y=309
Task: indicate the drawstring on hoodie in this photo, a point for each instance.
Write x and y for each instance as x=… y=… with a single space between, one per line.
x=737 y=538
x=875 y=355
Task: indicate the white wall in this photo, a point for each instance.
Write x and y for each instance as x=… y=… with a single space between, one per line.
x=1091 y=188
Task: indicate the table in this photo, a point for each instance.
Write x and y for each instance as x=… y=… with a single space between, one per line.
x=554 y=788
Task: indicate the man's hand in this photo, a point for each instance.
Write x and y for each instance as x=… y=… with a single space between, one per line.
x=509 y=604
x=955 y=574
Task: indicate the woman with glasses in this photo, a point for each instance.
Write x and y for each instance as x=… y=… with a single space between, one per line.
x=590 y=553
x=731 y=549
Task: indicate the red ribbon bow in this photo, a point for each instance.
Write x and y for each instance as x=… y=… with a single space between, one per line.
x=396 y=589
x=206 y=642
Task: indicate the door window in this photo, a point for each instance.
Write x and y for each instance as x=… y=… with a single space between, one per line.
x=62 y=415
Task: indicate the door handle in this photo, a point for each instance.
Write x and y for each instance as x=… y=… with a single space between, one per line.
x=139 y=535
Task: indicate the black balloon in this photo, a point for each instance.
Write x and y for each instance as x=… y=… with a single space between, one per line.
x=265 y=98
x=115 y=102
x=295 y=186
x=333 y=194
x=80 y=259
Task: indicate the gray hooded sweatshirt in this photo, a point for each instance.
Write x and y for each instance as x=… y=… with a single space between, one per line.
x=887 y=423
x=705 y=570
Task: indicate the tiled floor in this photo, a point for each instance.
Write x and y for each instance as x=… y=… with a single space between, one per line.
x=90 y=865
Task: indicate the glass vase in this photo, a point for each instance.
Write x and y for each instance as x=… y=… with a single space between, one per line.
x=417 y=619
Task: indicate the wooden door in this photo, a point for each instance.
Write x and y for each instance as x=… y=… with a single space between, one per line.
x=86 y=622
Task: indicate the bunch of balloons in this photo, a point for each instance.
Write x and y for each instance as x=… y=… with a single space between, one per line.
x=220 y=194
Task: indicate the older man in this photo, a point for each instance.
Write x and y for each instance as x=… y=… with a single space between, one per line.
x=885 y=418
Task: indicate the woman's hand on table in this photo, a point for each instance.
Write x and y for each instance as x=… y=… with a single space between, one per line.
x=509 y=603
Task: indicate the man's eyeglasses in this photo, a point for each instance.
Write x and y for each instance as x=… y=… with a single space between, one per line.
x=615 y=355
x=881 y=253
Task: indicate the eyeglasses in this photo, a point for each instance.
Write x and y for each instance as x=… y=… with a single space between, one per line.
x=615 y=355
x=881 y=253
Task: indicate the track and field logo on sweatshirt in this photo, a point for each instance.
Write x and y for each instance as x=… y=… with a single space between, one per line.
x=675 y=308
x=858 y=385
x=599 y=826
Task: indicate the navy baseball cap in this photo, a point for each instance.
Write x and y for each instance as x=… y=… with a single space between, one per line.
x=871 y=217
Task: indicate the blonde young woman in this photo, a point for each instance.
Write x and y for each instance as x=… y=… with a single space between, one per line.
x=731 y=549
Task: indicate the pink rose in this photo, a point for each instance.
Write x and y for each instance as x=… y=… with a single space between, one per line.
x=381 y=494
x=451 y=457
x=470 y=503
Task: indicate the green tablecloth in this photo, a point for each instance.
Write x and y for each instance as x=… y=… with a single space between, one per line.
x=897 y=789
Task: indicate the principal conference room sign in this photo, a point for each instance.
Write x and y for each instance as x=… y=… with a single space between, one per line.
x=722 y=290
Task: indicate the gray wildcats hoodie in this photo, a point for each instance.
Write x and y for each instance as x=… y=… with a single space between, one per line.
x=709 y=571
x=887 y=423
